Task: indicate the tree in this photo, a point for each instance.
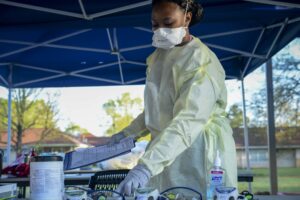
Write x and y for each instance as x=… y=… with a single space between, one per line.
x=258 y=108
x=286 y=91
x=75 y=129
x=29 y=112
x=3 y=106
x=48 y=115
x=121 y=111
x=235 y=115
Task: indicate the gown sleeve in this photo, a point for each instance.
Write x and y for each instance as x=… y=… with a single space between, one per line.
x=197 y=96
x=137 y=128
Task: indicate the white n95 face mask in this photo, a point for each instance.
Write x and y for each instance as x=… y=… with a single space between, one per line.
x=167 y=38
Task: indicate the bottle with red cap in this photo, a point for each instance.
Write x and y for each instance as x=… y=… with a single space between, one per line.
x=32 y=153
x=23 y=169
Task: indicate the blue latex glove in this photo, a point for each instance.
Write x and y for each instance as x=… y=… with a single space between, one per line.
x=137 y=177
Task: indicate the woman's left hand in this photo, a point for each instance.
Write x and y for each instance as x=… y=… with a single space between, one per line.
x=137 y=177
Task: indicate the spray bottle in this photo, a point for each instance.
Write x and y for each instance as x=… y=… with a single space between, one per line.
x=216 y=177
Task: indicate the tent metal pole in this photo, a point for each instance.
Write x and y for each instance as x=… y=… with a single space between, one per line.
x=235 y=51
x=120 y=68
x=294 y=20
x=291 y=21
x=257 y=28
x=244 y=30
x=58 y=46
x=136 y=80
x=109 y=39
x=62 y=74
x=94 y=68
x=230 y=32
x=276 y=3
x=134 y=62
x=43 y=43
x=4 y=81
x=83 y=10
x=120 y=9
x=231 y=77
x=76 y=15
x=117 y=53
x=246 y=135
x=229 y=58
x=144 y=29
x=143 y=46
x=254 y=49
x=77 y=48
x=8 y=148
x=215 y=35
x=9 y=117
x=42 y=9
x=39 y=68
x=96 y=78
x=115 y=39
x=277 y=36
x=136 y=48
x=271 y=129
x=38 y=80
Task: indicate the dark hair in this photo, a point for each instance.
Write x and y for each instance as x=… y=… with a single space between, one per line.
x=193 y=6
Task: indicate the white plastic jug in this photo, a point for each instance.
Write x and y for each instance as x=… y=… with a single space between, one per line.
x=46 y=178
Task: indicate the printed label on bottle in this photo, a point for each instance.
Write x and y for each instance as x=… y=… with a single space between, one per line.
x=216 y=177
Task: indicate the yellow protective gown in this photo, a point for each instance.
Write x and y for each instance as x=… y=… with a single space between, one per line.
x=185 y=100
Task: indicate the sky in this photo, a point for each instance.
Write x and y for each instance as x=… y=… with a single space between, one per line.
x=83 y=105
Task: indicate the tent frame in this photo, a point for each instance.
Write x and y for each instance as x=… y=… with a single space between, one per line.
x=120 y=60
x=271 y=128
x=114 y=49
x=276 y=3
x=86 y=16
x=82 y=15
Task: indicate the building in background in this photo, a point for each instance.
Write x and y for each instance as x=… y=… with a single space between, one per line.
x=56 y=142
x=92 y=140
x=287 y=145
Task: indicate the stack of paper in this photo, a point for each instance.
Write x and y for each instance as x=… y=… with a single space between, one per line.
x=8 y=190
x=87 y=156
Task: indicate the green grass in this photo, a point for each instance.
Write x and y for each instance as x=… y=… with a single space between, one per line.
x=288 y=180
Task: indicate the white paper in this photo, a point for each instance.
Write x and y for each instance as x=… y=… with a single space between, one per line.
x=46 y=180
x=88 y=156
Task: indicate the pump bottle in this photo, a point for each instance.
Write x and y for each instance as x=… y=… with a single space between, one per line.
x=216 y=177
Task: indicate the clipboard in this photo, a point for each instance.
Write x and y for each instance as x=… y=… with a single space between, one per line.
x=88 y=156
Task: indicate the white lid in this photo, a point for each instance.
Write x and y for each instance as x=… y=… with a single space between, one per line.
x=217 y=160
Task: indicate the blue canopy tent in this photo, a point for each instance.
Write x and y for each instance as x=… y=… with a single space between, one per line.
x=69 y=43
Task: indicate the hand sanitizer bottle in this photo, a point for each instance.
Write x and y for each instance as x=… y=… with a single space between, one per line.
x=216 y=177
